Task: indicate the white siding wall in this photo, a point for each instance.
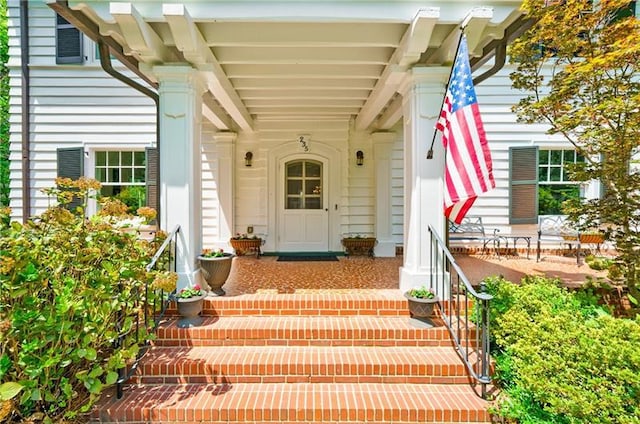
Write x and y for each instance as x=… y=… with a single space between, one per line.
x=71 y=105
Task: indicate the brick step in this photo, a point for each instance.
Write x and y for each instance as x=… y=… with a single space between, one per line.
x=308 y=303
x=297 y=402
x=304 y=331
x=311 y=364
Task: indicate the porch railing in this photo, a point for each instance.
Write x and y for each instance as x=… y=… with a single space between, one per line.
x=152 y=303
x=464 y=311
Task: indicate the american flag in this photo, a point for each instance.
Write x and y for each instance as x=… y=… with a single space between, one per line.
x=468 y=169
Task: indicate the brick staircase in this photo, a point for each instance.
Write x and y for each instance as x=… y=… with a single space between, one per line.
x=339 y=357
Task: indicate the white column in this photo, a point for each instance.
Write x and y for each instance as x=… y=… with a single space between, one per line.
x=382 y=148
x=225 y=147
x=422 y=91
x=180 y=163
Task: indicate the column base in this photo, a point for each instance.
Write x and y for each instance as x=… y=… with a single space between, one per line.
x=189 y=279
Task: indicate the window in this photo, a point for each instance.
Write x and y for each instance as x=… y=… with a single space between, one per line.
x=303 y=185
x=554 y=184
x=69 y=48
x=122 y=175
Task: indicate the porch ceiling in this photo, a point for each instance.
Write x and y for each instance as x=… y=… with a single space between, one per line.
x=295 y=60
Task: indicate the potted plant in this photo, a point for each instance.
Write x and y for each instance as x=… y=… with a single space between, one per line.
x=359 y=245
x=215 y=266
x=189 y=301
x=421 y=302
x=246 y=244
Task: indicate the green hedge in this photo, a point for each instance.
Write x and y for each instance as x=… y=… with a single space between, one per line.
x=560 y=358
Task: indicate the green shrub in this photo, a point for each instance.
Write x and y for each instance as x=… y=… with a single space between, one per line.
x=561 y=358
x=69 y=288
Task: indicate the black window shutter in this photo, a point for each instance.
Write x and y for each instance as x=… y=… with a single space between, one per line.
x=523 y=185
x=151 y=177
x=68 y=42
x=71 y=165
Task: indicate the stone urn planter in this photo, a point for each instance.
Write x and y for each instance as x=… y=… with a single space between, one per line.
x=215 y=271
x=421 y=302
x=189 y=310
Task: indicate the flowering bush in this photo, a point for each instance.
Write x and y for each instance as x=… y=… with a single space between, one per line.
x=190 y=292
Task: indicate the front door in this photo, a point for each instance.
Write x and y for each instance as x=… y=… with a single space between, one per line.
x=303 y=211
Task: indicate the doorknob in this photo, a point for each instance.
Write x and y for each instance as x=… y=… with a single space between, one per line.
x=326 y=209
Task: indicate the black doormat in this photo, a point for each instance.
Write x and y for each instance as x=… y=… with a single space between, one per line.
x=299 y=258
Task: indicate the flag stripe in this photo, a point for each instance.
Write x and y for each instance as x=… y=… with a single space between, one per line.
x=468 y=166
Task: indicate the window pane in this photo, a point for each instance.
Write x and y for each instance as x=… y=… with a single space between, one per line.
x=542 y=173
x=113 y=175
x=313 y=203
x=101 y=174
x=127 y=158
x=139 y=159
x=294 y=169
x=293 y=203
x=554 y=174
x=543 y=157
x=101 y=158
x=313 y=169
x=312 y=187
x=556 y=157
x=138 y=174
x=126 y=175
x=113 y=158
x=569 y=156
x=294 y=187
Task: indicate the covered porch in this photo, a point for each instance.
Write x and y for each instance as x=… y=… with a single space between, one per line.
x=304 y=121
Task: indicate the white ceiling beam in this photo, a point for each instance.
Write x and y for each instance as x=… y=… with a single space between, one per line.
x=143 y=42
x=413 y=43
x=190 y=42
x=474 y=23
x=391 y=115
x=214 y=113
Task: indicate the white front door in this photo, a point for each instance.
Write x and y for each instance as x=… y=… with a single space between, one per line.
x=303 y=206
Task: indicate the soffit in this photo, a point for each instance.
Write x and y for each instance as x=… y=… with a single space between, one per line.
x=321 y=60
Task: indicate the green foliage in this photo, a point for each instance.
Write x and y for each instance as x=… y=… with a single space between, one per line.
x=422 y=293
x=69 y=289
x=132 y=196
x=598 y=262
x=560 y=358
x=578 y=67
x=4 y=106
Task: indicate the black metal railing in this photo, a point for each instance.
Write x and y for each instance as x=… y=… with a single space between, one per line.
x=152 y=303
x=464 y=311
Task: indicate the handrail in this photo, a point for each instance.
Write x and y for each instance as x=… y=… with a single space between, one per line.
x=156 y=310
x=446 y=279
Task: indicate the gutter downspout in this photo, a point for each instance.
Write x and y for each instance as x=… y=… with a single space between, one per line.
x=105 y=62
x=24 y=114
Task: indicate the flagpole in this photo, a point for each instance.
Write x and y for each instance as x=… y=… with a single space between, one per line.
x=446 y=89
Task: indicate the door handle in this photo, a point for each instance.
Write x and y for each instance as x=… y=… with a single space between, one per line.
x=326 y=209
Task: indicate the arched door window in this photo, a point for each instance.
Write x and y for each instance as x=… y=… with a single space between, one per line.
x=303 y=184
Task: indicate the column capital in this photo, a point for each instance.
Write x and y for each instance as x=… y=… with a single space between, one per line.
x=226 y=137
x=383 y=137
x=178 y=74
x=435 y=76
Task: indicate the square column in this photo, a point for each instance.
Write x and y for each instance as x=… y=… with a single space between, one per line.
x=382 y=150
x=180 y=164
x=422 y=91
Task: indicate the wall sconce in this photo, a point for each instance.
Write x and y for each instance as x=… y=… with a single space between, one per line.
x=248 y=157
x=359 y=158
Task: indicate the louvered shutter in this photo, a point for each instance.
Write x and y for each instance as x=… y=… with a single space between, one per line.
x=68 y=42
x=151 y=177
x=71 y=165
x=523 y=185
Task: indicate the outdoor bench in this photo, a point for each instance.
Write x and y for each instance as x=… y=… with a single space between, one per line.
x=557 y=229
x=471 y=228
